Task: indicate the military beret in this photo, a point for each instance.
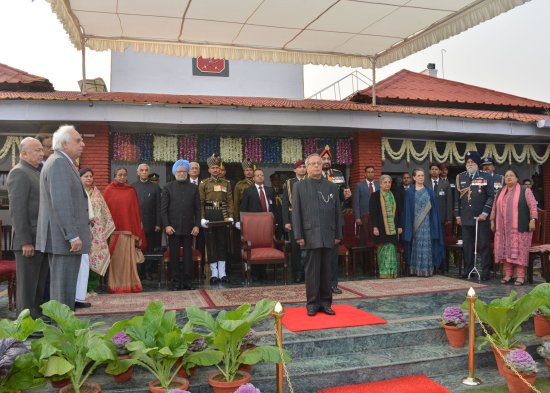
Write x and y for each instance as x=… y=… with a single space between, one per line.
x=298 y=163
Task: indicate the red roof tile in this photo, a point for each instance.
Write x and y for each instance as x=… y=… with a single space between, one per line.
x=16 y=80
x=411 y=86
x=267 y=102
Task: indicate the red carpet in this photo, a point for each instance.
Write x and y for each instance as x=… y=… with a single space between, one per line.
x=413 y=384
x=297 y=320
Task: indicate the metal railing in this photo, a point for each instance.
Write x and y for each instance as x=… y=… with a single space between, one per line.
x=344 y=87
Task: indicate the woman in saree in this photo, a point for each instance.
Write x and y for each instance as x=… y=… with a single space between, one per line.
x=386 y=218
x=513 y=220
x=422 y=234
x=124 y=206
x=102 y=226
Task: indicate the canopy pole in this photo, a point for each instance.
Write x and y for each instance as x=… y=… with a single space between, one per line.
x=83 y=89
x=373 y=62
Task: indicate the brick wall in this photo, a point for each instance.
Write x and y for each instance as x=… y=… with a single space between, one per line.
x=546 y=190
x=366 y=150
x=96 y=153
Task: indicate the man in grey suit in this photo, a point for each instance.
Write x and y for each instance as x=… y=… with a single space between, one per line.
x=63 y=230
x=317 y=223
x=24 y=194
x=361 y=198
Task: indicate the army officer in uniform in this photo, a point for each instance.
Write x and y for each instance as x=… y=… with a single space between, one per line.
x=216 y=205
x=475 y=192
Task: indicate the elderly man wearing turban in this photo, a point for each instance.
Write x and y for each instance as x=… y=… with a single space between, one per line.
x=475 y=200
x=180 y=212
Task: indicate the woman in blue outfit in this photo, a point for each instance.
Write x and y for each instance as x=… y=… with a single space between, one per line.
x=422 y=235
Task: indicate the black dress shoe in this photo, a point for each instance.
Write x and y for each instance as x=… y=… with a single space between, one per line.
x=336 y=290
x=82 y=305
x=189 y=287
x=214 y=280
x=297 y=280
x=225 y=279
x=327 y=310
x=311 y=311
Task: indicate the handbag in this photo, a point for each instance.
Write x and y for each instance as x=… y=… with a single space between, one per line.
x=140 y=258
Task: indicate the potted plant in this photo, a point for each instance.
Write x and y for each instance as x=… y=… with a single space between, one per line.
x=120 y=340
x=22 y=327
x=541 y=319
x=544 y=351
x=225 y=337
x=18 y=370
x=520 y=361
x=249 y=342
x=157 y=343
x=188 y=369
x=454 y=323
x=505 y=316
x=71 y=347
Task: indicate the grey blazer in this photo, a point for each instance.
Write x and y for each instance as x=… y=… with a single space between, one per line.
x=63 y=213
x=24 y=194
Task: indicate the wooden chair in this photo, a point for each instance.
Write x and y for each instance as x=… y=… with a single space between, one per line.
x=351 y=244
x=451 y=246
x=7 y=266
x=538 y=249
x=258 y=244
x=196 y=257
x=368 y=250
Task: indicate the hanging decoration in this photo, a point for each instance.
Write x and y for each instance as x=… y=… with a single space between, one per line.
x=124 y=149
x=311 y=146
x=188 y=147
x=208 y=145
x=144 y=145
x=231 y=149
x=165 y=148
x=253 y=149
x=271 y=150
x=452 y=154
x=343 y=152
x=291 y=150
x=11 y=145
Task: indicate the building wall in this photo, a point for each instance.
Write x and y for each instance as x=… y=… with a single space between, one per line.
x=366 y=150
x=150 y=73
x=97 y=152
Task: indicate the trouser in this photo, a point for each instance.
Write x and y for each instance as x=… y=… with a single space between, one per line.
x=181 y=273
x=334 y=266
x=317 y=266
x=483 y=246
x=296 y=256
x=30 y=273
x=510 y=267
x=216 y=246
x=82 y=281
x=63 y=276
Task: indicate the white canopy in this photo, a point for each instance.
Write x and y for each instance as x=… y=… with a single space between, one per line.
x=350 y=33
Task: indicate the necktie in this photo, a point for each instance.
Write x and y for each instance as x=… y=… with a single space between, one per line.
x=371 y=187
x=435 y=185
x=262 y=199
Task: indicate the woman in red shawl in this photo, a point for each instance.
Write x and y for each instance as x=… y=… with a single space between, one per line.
x=124 y=206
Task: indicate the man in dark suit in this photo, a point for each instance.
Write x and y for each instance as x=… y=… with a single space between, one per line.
x=361 y=198
x=149 y=205
x=442 y=191
x=317 y=223
x=474 y=201
x=63 y=224
x=23 y=185
x=180 y=209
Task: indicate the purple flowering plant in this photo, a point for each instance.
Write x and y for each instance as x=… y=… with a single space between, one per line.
x=522 y=362
x=120 y=340
x=247 y=388
x=198 y=345
x=251 y=338
x=544 y=349
x=454 y=316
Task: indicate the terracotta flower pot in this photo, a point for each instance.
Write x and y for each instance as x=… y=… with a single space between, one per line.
x=456 y=335
x=61 y=383
x=87 y=387
x=504 y=352
x=542 y=325
x=127 y=375
x=219 y=385
x=515 y=384
x=183 y=372
x=177 y=383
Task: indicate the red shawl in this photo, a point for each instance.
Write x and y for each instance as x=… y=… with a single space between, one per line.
x=123 y=203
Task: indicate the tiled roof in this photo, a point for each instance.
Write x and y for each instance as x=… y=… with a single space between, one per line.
x=411 y=86
x=16 y=80
x=268 y=103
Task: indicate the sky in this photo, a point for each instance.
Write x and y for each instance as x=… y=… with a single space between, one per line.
x=508 y=53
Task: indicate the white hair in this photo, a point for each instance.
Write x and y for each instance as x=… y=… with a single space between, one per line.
x=143 y=164
x=24 y=145
x=61 y=136
x=310 y=157
x=384 y=177
x=194 y=163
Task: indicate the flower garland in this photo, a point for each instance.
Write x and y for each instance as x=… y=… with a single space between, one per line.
x=311 y=146
x=231 y=149
x=271 y=150
x=343 y=152
x=144 y=145
x=208 y=145
x=123 y=148
x=165 y=148
x=452 y=154
x=291 y=150
x=253 y=149
x=11 y=144
x=188 y=147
